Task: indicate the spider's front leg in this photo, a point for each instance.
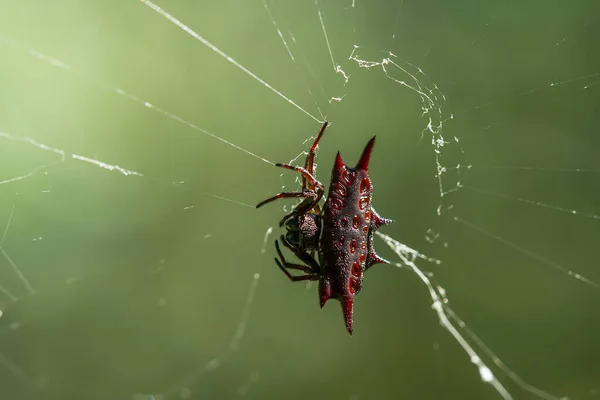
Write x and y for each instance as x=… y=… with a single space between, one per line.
x=316 y=194
x=305 y=174
x=309 y=182
x=282 y=195
x=311 y=199
x=310 y=157
x=283 y=264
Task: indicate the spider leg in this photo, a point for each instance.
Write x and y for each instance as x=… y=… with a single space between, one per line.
x=311 y=199
x=317 y=207
x=309 y=182
x=283 y=265
x=303 y=208
x=286 y=264
x=297 y=278
x=282 y=195
x=303 y=255
x=305 y=174
x=310 y=157
x=300 y=267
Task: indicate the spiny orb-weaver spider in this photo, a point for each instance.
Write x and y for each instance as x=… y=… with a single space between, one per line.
x=341 y=233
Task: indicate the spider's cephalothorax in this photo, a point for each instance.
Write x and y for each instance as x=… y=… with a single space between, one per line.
x=341 y=233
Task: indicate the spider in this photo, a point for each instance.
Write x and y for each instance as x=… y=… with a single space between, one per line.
x=341 y=233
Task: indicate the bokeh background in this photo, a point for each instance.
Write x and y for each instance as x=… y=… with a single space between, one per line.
x=163 y=285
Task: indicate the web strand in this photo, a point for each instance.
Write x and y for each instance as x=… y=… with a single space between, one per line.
x=539 y=89
x=445 y=314
x=293 y=58
x=531 y=254
x=121 y=92
x=398 y=72
x=10 y=261
x=214 y=48
x=98 y=163
x=542 y=394
x=437 y=305
x=532 y=202
x=234 y=344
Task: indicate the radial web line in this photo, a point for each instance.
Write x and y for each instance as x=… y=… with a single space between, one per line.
x=279 y=33
x=337 y=68
x=57 y=63
x=535 y=90
x=234 y=344
x=27 y=175
x=214 y=48
x=446 y=314
x=536 y=169
x=8 y=294
x=542 y=394
x=289 y=51
x=93 y=161
x=532 y=202
x=189 y=124
x=63 y=155
x=232 y=201
x=34 y=143
x=438 y=305
x=10 y=261
x=530 y=253
x=333 y=63
x=104 y=165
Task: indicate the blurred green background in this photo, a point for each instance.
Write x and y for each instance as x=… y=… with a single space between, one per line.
x=146 y=285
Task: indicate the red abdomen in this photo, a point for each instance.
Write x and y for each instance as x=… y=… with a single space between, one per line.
x=346 y=240
x=346 y=218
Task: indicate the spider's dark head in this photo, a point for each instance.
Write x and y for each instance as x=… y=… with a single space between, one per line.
x=303 y=231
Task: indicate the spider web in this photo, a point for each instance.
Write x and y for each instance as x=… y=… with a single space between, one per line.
x=137 y=138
